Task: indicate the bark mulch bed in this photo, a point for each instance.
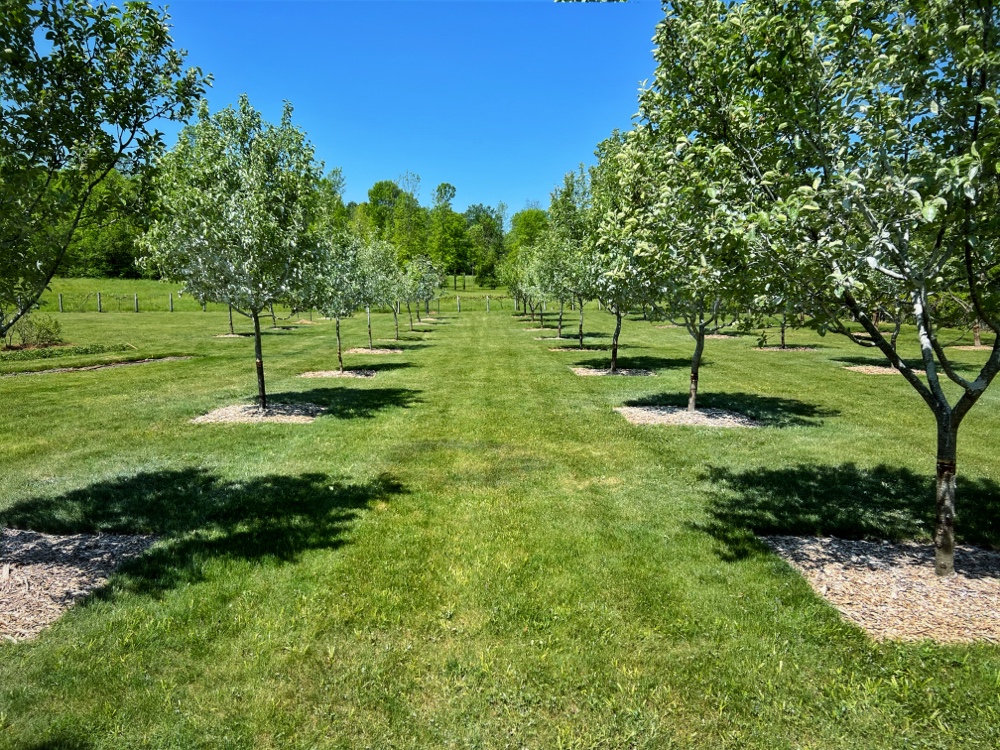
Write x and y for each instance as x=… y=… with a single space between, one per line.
x=972 y=348
x=107 y=366
x=729 y=336
x=624 y=372
x=573 y=349
x=674 y=415
x=253 y=414
x=231 y=335
x=339 y=374
x=786 y=349
x=364 y=350
x=877 y=370
x=891 y=591
x=42 y=575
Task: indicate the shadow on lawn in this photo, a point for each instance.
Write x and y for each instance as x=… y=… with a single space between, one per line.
x=843 y=501
x=639 y=362
x=352 y=403
x=770 y=411
x=201 y=516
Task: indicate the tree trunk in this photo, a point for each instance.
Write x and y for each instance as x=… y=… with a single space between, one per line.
x=274 y=321
x=463 y=281
x=977 y=333
x=581 y=322
x=614 y=341
x=456 y=281
x=418 y=311
x=559 y=331
x=368 y=312
x=784 y=325
x=340 y=353
x=258 y=354
x=944 y=528
x=541 y=315
x=395 y=317
x=231 y=331
x=410 y=313
x=699 y=347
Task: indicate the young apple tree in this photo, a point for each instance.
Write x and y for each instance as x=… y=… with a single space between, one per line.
x=866 y=136
x=82 y=87
x=336 y=285
x=235 y=201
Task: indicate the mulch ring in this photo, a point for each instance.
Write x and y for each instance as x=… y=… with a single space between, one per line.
x=42 y=575
x=253 y=414
x=624 y=372
x=729 y=336
x=575 y=348
x=673 y=415
x=878 y=370
x=786 y=349
x=972 y=348
x=339 y=374
x=97 y=367
x=363 y=350
x=891 y=591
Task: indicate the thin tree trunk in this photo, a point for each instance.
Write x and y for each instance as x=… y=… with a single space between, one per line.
x=395 y=317
x=463 y=281
x=944 y=527
x=340 y=353
x=541 y=315
x=258 y=354
x=274 y=321
x=410 y=313
x=418 y=311
x=455 y=275
x=614 y=341
x=581 y=322
x=231 y=331
x=559 y=332
x=699 y=347
x=784 y=325
x=368 y=312
x=977 y=333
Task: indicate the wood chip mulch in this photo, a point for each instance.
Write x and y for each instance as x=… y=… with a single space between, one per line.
x=730 y=337
x=107 y=366
x=231 y=335
x=891 y=591
x=42 y=575
x=786 y=349
x=365 y=350
x=253 y=414
x=972 y=348
x=877 y=370
x=624 y=372
x=339 y=374
x=673 y=415
x=575 y=349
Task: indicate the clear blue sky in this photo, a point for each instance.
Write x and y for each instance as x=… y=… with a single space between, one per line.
x=498 y=98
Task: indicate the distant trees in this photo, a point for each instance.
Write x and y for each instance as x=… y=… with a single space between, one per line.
x=81 y=86
x=237 y=198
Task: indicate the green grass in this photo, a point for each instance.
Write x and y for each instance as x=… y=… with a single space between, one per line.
x=473 y=550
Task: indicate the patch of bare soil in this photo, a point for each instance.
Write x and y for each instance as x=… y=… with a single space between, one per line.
x=41 y=575
x=972 y=348
x=673 y=415
x=252 y=414
x=304 y=322
x=892 y=592
x=720 y=336
x=877 y=370
x=590 y=371
x=535 y=329
x=572 y=349
x=339 y=374
x=364 y=350
x=786 y=349
x=230 y=335
x=107 y=366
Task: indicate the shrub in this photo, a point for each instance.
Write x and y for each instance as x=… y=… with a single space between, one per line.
x=35 y=331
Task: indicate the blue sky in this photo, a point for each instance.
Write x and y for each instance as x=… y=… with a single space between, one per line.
x=498 y=98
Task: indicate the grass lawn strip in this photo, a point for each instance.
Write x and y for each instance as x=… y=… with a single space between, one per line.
x=673 y=415
x=250 y=414
x=891 y=591
x=107 y=366
x=43 y=575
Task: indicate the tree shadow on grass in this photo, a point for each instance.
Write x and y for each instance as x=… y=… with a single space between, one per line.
x=843 y=501
x=638 y=362
x=771 y=411
x=200 y=517
x=352 y=403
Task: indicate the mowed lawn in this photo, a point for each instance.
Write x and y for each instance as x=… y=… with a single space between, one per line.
x=472 y=549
